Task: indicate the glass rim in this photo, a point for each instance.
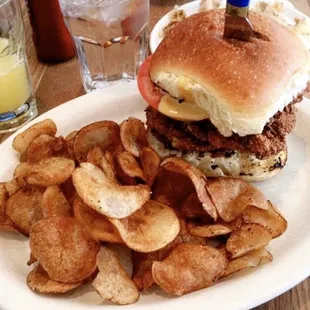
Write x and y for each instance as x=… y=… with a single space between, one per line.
x=97 y=5
x=3 y=2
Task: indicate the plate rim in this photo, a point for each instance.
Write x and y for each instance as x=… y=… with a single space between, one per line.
x=154 y=35
x=131 y=88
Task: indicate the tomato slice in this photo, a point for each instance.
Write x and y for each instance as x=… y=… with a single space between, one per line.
x=150 y=93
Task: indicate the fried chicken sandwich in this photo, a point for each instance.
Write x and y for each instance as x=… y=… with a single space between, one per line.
x=225 y=105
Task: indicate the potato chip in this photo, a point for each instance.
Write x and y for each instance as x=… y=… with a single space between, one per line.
x=271 y=219
x=5 y=222
x=14 y=185
x=130 y=165
x=69 y=190
x=247 y=238
x=172 y=187
x=208 y=231
x=113 y=283
x=150 y=228
x=231 y=196
x=22 y=170
x=31 y=260
x=64 y=249
x=23 y=140
x=105 y=134
x=198 y=179
x=54 y=203
x=121 y=176
x=133 y=136
x=97 y=224
x=109 y=157
x=250 y=260
x=96 y=157
x=43 y=147
x=142 y=262
x=233 y=225
x=188 y=268
x=150 y=162
x=108 y=169
x=186 y=237
x=69 y=141
x=192 y=208
x=142 y=270
x=106 y=196
x=71 y=135
x=165 y=200
x=24 y=208
x=50 y=171
x=39 y=281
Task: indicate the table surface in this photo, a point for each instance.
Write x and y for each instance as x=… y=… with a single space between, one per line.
x=55 y=84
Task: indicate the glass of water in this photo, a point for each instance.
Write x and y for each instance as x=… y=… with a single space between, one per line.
x=17 y=103
x=111 y=38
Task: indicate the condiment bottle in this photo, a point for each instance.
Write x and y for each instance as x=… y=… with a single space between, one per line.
x=51 y=37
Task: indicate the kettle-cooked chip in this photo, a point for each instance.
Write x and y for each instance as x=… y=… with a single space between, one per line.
x=271 y=219
x=150 y=228
x=129 y=165
x=94 y=156
x=5 y=222
x=69 y=141
x=69 y=190
x=106 y=196
x=247 y=238
x=23 y=140
x=39 y=281
x=24 y=208
x=250 y=260
x=22 y=170
x=192 y=208
x=54 y=203
x=188 y=268
x=14 y=185
x=43 y=147
x=113 y=283
x=31 y=259
x=50 y=171
x=171 y=187
x=150 y=162
x=133 y=136
x=208 y=231
x=198 y=179
x=231 y=196
x=105 y=134
x=64 y=249
x=142 y=262
x=97 y=224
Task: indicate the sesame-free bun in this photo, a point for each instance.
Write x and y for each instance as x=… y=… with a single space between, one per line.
x=240 y=84
x=240 y=165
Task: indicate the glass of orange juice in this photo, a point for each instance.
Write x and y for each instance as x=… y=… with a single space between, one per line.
x=17 y=103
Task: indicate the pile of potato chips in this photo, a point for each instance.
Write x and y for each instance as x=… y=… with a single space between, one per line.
x=104 y=184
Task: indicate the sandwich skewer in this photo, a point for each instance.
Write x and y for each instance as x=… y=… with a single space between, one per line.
x=237 y=24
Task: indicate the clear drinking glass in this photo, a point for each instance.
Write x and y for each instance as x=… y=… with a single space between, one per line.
x=111 y=38
x=17 y=104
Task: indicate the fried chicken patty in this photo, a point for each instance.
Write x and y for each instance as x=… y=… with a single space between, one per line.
x=203 y=136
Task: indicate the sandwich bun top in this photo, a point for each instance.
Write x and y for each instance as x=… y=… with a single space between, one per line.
x=240 y=85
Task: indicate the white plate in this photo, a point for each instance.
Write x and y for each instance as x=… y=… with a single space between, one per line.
x=289 y=191
x=287 y=16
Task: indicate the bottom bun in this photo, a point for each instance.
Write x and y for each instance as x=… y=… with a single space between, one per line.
x=235 y=164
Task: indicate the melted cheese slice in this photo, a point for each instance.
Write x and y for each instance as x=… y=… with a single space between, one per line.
x=184 y=111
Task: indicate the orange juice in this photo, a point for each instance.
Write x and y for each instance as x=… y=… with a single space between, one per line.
x=14 y=84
